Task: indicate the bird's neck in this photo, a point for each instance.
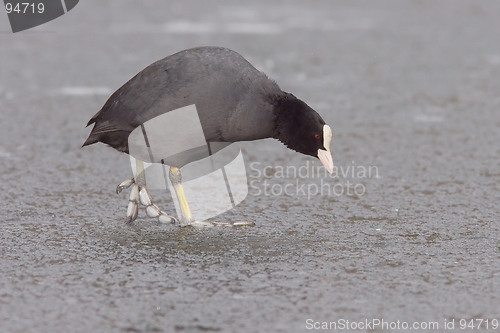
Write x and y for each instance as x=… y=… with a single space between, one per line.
x=286 y=107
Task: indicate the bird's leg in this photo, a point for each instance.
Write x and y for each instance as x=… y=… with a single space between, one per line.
x=186 y=218
x=140 y=195
x=175 y=177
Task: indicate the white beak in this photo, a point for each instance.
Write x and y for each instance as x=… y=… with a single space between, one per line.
x=324 y=155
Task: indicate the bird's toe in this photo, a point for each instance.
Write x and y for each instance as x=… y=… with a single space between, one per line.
x=125 y=184
x=222 y=224
x=167 y=219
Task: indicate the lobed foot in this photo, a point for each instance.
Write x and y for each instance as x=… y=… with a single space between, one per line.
x=152 y=210
x=133 y=203
x=140 y=195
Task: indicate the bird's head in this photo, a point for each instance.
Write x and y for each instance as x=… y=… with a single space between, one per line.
x=302 y=129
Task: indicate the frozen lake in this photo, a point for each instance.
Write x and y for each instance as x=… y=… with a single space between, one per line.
x=411 y=91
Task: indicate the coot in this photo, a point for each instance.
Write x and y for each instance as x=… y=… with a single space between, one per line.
x=234 y=101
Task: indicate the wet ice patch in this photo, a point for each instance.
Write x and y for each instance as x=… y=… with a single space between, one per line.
x=7 y=155
x=361 y=24
x=239 y=12
x=191 y=27
x=253 y=28
x=4 y=153
x=430 y=114
x=9 y=95
x=423 y=118
x=81 y=91
x=494 y=59
x=301 y=77
x=327 y=24
x=247 y=22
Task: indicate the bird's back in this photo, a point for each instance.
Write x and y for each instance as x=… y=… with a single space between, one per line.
x=229 y=93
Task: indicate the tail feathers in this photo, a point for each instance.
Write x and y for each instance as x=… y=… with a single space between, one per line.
x=90 y=140
x=94 y=118
x=102 y=130
x=116 y=139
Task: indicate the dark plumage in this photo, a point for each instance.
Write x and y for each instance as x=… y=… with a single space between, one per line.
x=235 y=102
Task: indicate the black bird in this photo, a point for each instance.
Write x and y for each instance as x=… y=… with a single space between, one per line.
x=234 y=102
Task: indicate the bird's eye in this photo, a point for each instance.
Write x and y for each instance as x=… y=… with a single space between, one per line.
x=316 y=136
